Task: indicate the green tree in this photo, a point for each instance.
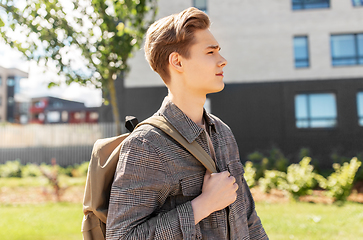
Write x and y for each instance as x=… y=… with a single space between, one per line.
x=101 y=34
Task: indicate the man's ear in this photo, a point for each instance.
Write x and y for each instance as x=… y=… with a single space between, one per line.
x=175 y=61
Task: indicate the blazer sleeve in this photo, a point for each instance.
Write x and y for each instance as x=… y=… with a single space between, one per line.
x=140 y=187
x=255 y=228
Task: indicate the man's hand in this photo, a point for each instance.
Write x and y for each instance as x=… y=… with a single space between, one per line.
x=219 y=191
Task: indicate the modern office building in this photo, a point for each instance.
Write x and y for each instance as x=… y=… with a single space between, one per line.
x=9 y=88
x=294 y=76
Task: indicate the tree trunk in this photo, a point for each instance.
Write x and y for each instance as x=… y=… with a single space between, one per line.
x=113 y=100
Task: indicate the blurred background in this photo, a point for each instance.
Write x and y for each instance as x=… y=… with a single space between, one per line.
x=71 y=71
x=293 y=81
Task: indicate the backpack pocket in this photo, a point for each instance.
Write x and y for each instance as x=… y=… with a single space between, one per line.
x=93 y=227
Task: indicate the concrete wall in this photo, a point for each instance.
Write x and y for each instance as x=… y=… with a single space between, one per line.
x=257 y=40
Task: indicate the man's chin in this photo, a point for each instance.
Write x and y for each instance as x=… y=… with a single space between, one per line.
x=218 y=89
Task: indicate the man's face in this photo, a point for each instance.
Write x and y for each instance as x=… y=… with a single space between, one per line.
x=203 y=70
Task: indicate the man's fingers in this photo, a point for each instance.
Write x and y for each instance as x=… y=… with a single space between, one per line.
x=207 y=174
x=233 y=179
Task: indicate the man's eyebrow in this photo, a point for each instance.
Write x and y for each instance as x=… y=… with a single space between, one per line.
x=214 y=47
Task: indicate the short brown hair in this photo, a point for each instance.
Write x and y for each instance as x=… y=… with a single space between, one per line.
x=172 y=34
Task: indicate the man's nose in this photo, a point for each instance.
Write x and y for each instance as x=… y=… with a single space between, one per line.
x=223 y=62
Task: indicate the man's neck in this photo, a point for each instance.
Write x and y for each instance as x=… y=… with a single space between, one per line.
x=192 y=106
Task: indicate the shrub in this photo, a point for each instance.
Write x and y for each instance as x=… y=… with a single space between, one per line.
x=260 y=162
x=359 y=174
x=300 y=179
x=277 y=160
x=83 y=169
x=30 y=170
x=271 y=180
x=340 y=182
x=11 y=169
x=304 y=152
x=76 y=170
x=250 y=174
x=66 y=170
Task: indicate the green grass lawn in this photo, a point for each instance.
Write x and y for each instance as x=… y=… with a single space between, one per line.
x=312 y=221
x=58 y=221
x=51 y=221
x=41 y=181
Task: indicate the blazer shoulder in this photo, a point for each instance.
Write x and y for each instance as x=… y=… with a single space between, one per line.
x=219 y=123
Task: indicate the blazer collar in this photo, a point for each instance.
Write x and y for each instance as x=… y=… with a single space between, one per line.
x=181 y=122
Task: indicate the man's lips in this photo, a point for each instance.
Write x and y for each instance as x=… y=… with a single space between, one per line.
x=220 y=74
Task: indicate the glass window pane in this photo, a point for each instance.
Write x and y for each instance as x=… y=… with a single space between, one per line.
x=297 y=4
x=53 y=117
x=317 y=4
x=302 y=123
x=360 y=44
x=301 y=52
x=317 y=110
x=310 y=4
x=323 y=123
x=300 y=47
x=323 y=106
x=201 y=4
x=301 y=63
x=343 y=46
x=301 y=109
x=357 y=2
x=344 y=61
x=360 y=104
x=11 y=81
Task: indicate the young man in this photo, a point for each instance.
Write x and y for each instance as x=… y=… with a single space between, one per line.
x=160 y=190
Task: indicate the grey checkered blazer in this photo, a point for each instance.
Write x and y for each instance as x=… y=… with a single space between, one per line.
x=156 y=179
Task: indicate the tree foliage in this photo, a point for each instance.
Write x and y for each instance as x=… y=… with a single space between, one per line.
x=89 y=41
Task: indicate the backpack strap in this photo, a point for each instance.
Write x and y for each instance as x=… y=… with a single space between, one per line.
x=194 y=148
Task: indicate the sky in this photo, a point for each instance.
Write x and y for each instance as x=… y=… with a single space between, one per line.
x=36 y=83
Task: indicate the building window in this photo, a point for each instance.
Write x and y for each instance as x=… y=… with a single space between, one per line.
x=57 y=104
x=94 y=116
x=201 y=5
x=17 y=84
x=64 y=116
x=301 y=52
x=11 y=101
x=39 y=104
x=357 y=3
x=77 y=115
x=41 y=117
x=53 y=117
x=347 y=49
x=315 y=110
x=310 y=4
x=11 y=82
x=360 y=108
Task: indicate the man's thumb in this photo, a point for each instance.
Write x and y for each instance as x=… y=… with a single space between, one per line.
x=207 y=175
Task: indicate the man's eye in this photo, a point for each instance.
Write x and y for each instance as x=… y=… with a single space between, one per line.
x=211 y=52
